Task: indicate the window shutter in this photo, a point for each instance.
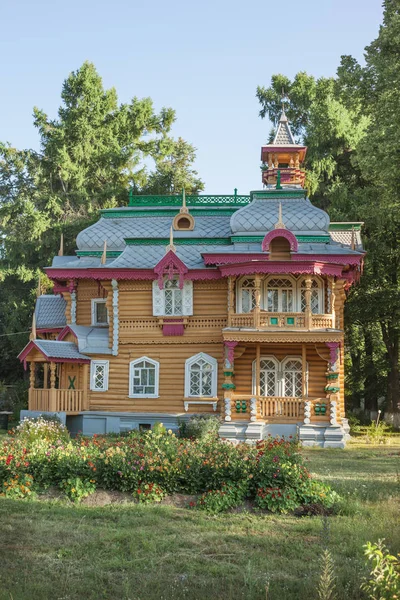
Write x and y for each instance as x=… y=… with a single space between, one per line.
x=158 y=300
x=187 y=298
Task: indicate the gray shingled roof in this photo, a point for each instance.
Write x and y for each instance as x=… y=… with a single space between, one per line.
x=283 y=136
x=298 y=215
x=50 y=312
x=54 y=349
x=344 y=237
x=116 y=230
x=147 y=257
x=92 y=340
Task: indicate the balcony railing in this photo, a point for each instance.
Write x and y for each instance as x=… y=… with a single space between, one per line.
x=274 y=409
x=275 y=320
x=53 y=400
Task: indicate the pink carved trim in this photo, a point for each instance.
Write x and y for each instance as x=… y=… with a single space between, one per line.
x=24 y=353
x=231 y=349
x=203 y=274
x=233 y=258
x=71 y=286
x=170 y=265
x=275 y=233
x=125 y=274
x=63 y=334
x=333 y=347
x=282 y=267
x=173 y=329
x=59 y=289
x=49 y=330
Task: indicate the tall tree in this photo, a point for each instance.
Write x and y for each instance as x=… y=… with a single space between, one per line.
x=351 y=125
x=89 y=157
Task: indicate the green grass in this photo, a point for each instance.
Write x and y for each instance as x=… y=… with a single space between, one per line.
x=55 y=551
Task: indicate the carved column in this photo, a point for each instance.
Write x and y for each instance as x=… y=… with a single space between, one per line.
x=72 y=291
x=31 y=401
x=228 y=385
x=231 y=298
x=257 y=297
x=307 y=294
x=52 y=399
x=115 y=293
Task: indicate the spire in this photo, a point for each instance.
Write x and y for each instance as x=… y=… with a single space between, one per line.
x=33 y=332
x=184 y=209
x=104 y=255
x=280 y=224
x=171 y=242
x=283 y=136
x=61 y=250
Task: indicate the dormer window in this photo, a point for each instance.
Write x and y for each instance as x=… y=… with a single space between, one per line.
x=183 y=222
x=172 y=300
x=99 y=312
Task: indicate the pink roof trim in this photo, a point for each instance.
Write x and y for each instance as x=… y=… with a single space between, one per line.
x=276 y=233
x=24 y=353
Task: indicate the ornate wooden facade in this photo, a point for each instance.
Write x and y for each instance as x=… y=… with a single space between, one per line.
x=224 y=306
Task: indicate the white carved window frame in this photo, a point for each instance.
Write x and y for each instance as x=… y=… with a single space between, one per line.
x=280 y=374
x=105 y=365
x=239 y=287
x=301 y=283
x=95 y=302
x=214 y=374
x=132 y=367
x=264 y=293
x=159 y=300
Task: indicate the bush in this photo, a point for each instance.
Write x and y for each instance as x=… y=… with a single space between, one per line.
x=19 y=486
x=149 y=492
x=49 y=429
x=276 y=499
x=76 y=488
x=383 y=582
x=200 y=427
x=376 y=433
x=216 y=501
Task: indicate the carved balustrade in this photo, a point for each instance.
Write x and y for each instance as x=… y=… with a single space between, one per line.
x=274 y=408
x=53 y=400
x=275 y=320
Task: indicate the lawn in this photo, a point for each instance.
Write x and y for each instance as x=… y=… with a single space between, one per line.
x=55 y=551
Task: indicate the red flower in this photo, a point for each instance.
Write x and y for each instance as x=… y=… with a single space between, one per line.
x=9 y=459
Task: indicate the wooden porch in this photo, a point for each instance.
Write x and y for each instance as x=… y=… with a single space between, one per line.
x=71 y=402
x=276 y=409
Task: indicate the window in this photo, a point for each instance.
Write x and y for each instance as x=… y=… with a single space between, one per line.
x=172 y=301
x=173 y=297
x=279 y=295
x=292 y=378
x=201 y=376
x=247 y=295
x=99 y=375
x=316 y=296
x=280 y=379
x=143 y=378
x=99 y=312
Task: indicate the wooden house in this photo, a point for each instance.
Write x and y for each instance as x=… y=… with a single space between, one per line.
x=229 y=305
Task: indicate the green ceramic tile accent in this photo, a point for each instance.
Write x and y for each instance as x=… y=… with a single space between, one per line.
x=273 y=320
x=290 y=321
x=177 y=241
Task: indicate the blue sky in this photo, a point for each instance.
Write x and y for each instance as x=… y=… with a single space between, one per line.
x=204 y=59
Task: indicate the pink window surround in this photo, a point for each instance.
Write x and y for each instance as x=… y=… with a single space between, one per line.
x=280 y=233
x=23 y=355
x=170 y=265
x=173 y=327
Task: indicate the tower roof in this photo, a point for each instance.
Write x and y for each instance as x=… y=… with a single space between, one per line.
x=283 y=136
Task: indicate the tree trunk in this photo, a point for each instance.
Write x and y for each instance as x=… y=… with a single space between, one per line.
x=371 y=383
x=391 y=338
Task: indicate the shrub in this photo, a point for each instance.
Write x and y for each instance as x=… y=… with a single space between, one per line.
x=149 y=492
x=49 y=429
x=200 y=427
x=76 y=488
x=216 y=501
x=19 y=486
x=276 y=499
x=383 y=582
x=316 y=492
x=376 y=432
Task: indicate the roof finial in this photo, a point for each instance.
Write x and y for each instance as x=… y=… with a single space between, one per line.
x=283 y=100
x=184 y=209
x=171 y=242
x=353 y=239
x=104 y=255
x=61 y=250
x=33 y=332
x=280 y=224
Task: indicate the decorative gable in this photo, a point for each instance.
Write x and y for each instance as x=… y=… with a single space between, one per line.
x=170 y=265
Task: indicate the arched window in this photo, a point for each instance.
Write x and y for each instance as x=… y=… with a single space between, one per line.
x=316 y=296
x=292 y=378
x=144 y=378
x=279 y=249
x=279 y=296
x=280 y=379
x=201 y=376
x=269 y=376
x=246 y=295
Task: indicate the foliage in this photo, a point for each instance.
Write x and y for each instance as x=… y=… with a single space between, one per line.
x=376 y=433
x=327 y=580
x=351 y=126
x=383 y=582
x=90 y=155
x=49 y=429
x=229 y=496
x=200 y=427
x=18 y=486
x=276 y=499
x=76 y=488
x=148 y=492
x=153 y=463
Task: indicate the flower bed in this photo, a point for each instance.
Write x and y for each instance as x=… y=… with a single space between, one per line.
x=152 y=464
